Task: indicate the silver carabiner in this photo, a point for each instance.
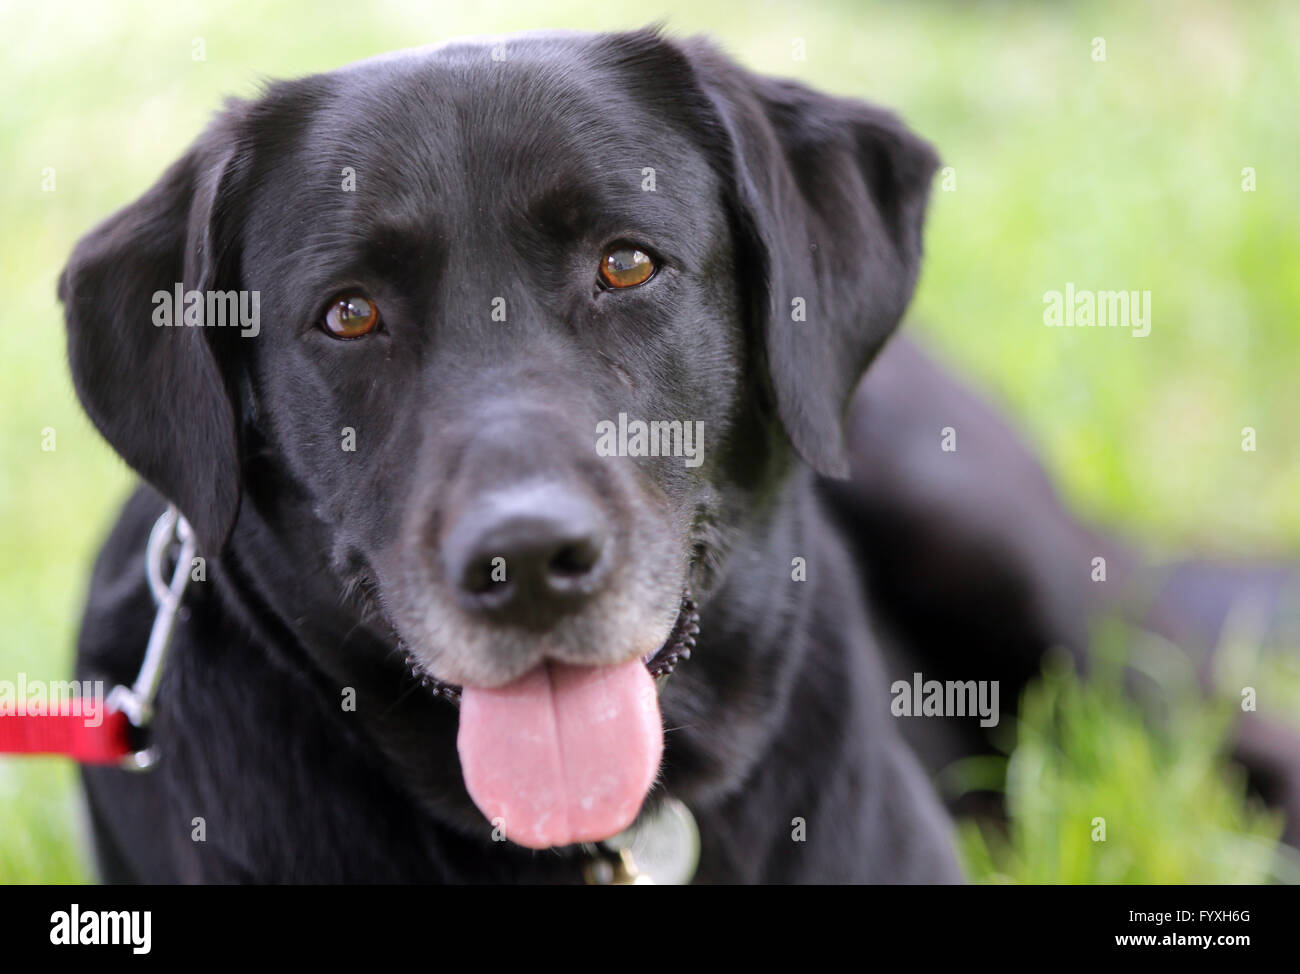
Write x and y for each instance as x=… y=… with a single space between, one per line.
x=137 y=700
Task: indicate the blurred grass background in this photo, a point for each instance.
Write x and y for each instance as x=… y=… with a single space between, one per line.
x=1122 y=174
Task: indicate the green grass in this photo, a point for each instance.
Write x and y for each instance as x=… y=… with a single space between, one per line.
x=1100 y=790
x=1123 y=174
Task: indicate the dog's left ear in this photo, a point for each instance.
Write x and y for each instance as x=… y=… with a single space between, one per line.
x=830 y=197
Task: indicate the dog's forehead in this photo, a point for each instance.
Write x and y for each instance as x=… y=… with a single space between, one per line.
x=462 y=135
x=532 y=108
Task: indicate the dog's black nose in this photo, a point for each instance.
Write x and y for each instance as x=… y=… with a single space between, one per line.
x=529 y=554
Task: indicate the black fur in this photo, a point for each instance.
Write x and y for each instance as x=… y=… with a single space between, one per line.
x=475 y=179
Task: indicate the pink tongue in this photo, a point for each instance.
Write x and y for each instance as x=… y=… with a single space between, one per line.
x=564 y=754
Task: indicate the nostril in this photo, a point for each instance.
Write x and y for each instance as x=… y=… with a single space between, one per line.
x=485 y=576
x=574 y=559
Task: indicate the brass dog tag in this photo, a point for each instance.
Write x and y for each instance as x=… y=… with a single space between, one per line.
x=660 y=848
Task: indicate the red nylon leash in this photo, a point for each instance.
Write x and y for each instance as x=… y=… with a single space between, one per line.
x=83 y=729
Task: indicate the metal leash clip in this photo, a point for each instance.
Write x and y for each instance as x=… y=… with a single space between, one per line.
x=136 y=701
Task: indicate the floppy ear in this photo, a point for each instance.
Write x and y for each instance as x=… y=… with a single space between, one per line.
x=156 y=393
x=830 y=196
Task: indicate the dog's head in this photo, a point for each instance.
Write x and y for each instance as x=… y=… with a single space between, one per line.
x=529 y=329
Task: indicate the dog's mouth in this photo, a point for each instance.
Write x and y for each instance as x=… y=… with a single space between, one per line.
x=680 y=641
x=661 y=663
x=567 y=753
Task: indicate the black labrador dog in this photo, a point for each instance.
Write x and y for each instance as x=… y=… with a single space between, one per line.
x=551 y=339
x=545 y=371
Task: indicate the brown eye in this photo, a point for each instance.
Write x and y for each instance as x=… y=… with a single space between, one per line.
x=625 y=266
x=351 y=316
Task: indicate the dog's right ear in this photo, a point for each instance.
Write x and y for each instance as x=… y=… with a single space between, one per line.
x=155 y=392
